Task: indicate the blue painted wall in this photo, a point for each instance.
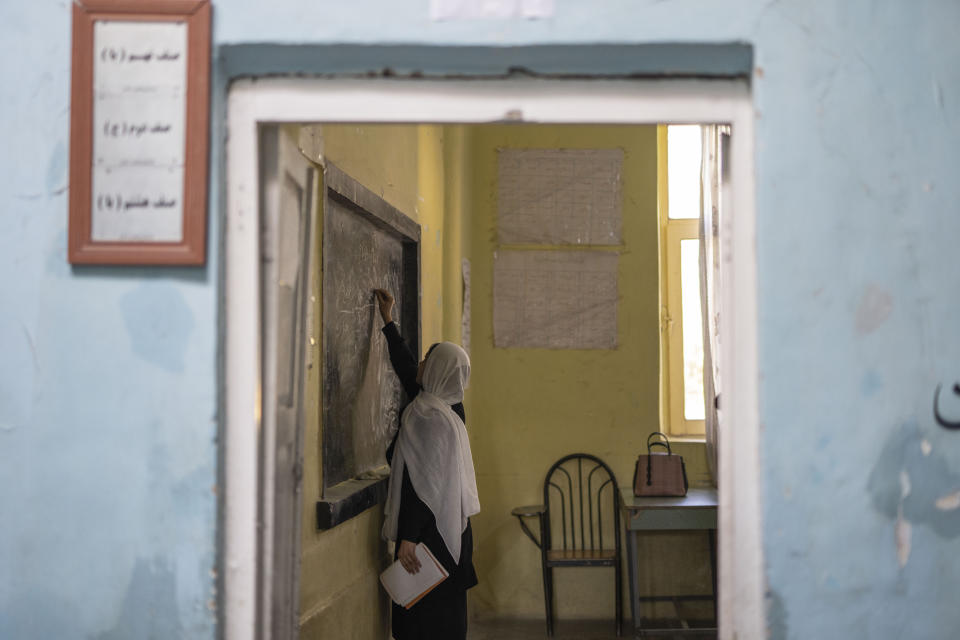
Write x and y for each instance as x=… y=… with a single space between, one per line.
x=108 y=380
x=108 y=393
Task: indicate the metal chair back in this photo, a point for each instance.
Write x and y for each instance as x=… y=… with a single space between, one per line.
x=580 y=499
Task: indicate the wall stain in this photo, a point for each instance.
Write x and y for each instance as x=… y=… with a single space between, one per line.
x=777 y=628
x=930 y=479
x=36 y=613
x=871 y=383
x=874 y=308
x=149 y=609
x=159 y=323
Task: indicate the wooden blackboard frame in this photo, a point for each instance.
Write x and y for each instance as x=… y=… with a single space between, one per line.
x=191 y=249
x=344 y=500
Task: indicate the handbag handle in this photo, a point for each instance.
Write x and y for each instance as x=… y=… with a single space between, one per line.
x=665 y=443
x=650 y=446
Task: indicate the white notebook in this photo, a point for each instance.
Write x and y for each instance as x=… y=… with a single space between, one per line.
x=406 y=589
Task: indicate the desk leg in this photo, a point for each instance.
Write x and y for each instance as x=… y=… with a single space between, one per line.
x=712 y=536
x=634 y=578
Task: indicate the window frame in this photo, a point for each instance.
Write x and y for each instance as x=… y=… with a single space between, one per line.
x=673 y=420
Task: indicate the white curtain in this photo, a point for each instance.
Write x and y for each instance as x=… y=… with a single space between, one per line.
x=712 y=189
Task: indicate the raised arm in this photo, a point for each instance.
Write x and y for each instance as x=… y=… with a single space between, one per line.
x=403 y=361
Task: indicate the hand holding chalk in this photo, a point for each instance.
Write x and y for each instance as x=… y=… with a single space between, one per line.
x=385 y=300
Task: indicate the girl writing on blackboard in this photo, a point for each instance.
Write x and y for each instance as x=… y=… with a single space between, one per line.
x=432 y=491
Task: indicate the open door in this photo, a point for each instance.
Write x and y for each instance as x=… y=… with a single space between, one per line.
x=288 y=210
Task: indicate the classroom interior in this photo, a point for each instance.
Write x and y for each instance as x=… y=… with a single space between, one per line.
x=526 y=407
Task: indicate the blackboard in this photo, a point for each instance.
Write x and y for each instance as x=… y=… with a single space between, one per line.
x=367 y=244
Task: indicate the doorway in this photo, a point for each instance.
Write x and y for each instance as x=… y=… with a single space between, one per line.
x=449 y=102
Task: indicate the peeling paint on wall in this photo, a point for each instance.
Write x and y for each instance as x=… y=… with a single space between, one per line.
x=949 y=502
x=904 y=532
x=916 y=502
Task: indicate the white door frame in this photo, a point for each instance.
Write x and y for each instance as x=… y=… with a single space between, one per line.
x=251 y=102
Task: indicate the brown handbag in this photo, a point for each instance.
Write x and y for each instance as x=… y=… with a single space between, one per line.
x=659 y=474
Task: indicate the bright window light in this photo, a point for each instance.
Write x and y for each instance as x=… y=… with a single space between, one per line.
x=683 y=171
x=693 y=407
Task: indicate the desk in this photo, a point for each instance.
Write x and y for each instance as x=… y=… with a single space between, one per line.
x=695 y=511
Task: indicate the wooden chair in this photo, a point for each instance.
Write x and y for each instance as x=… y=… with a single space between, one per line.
x=574 y=493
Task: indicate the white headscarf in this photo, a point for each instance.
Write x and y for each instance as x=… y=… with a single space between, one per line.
x=434 y=449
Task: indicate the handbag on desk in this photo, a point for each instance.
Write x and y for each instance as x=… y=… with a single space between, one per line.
x=659 y=474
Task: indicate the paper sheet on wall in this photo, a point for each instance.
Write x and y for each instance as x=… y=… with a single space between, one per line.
x=472 y=9
x=555 y=299
x=139 y=113
x=559 y=196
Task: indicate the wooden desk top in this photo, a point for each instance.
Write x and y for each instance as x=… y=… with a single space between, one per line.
x=699 y=498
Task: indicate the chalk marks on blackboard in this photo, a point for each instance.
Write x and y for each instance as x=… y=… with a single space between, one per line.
x=367 y=244
x=361 y=395
x=375 y=396
x=951 y=424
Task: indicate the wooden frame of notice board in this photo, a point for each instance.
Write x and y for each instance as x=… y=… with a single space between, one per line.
x=139 y=127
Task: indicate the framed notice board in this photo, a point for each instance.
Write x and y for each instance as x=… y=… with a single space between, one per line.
x=139 y=132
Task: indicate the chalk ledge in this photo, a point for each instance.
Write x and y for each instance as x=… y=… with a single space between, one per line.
x=351 y=498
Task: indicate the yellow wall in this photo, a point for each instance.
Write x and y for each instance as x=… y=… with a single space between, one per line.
x=530 y=407
x=457 y=207
x=340 y=595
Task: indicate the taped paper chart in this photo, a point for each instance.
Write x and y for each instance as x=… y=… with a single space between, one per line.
x=555 y=299
x=559 y=196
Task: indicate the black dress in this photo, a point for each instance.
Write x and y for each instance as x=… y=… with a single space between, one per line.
x=442 y=613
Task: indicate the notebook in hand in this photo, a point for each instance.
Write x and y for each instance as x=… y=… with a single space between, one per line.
x=406 y=589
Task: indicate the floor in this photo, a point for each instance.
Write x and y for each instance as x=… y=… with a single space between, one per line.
x=512 y=629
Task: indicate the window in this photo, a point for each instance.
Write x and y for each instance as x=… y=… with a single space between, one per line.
x=679 y=161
